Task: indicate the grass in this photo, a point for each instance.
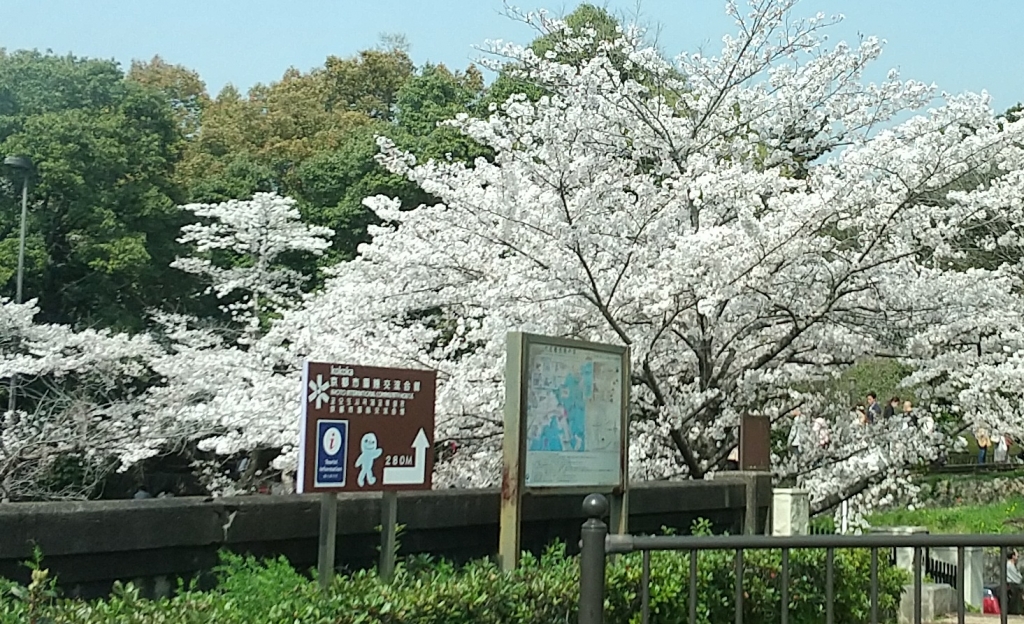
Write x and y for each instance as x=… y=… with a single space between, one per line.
x=1003 y=517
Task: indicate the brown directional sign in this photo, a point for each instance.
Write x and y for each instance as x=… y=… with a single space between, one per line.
x=366 y=429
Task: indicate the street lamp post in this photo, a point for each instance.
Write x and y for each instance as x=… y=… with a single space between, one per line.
x=23 y=165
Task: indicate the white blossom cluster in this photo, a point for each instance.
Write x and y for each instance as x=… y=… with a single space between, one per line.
x=260 y=230
x=76 y=396
x=747 y=223
x=110 y=398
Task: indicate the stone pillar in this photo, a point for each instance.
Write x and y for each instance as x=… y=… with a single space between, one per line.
x=791 y=511
x=757 y=494
x=904 y=556
x=974 y=568
x=974 y=576
x=937 y=601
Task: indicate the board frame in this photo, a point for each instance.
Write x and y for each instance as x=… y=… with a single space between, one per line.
x=516 y=387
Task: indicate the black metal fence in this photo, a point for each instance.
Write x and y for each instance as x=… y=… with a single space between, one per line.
x=596 y=545
x=943 y=572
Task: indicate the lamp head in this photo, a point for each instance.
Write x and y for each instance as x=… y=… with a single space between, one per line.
x=21 y=163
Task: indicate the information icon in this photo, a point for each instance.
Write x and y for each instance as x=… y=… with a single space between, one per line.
x=332 y=441
x=331 y=453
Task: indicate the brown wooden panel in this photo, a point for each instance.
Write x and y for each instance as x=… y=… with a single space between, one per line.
x=755 y=443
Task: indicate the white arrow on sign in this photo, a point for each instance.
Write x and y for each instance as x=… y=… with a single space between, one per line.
x=410 y=475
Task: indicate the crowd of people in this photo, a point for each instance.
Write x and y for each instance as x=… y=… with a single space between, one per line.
x=868 y=413
x=805 y=432
x=872 y=411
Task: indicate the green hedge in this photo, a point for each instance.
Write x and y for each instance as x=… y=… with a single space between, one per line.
x=541 y=591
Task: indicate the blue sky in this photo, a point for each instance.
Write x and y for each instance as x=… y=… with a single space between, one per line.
x=960 y=46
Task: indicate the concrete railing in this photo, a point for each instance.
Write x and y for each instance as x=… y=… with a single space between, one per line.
x=89 y=545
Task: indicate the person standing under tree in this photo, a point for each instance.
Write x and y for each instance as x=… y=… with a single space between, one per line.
x=981 y=435
x=908 y=413
x=797 y=431
x=860 y=415
x=1002 y=450
x=890 y=408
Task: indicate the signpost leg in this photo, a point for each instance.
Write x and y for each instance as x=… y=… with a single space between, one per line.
x=388 y=529
x=619 y=513
x=328 y=535
x=513 y=454
x=508 y=533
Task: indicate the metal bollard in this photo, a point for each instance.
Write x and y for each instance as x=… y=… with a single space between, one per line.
x=592 y=560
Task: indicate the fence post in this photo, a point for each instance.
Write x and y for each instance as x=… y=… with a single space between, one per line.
x=791 y=512
x=592 y=560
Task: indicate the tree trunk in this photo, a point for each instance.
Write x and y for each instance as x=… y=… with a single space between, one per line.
x=855 y=488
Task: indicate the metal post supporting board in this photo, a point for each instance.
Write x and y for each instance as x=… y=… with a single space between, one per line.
x=388 y=530
x=328 y=535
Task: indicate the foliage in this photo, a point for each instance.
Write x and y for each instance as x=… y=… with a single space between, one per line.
x=586 y=18
x=32 y=601
x=543 y=590
x=78 y=410
x=117 y=151
x=332 y=186
x=102 y=199
x=311 y=136
x=823 y=525
x=737 y=220
x=182 y=87
x=884 y=377
x=93 y=401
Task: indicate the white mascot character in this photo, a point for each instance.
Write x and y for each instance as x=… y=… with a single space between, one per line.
x=364 y=462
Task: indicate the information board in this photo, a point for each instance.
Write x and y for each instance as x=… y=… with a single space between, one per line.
x=331 y=453
x=566 y=409
x=365 y=429
x=573 y=416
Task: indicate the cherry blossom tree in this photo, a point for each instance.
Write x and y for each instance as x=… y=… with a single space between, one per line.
x=240 y=245
x=228 y=398
x=219 y=387
x=80 y=416
x=749 y=224
x=109 y=401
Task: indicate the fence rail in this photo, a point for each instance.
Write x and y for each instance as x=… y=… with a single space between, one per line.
x=596 y=545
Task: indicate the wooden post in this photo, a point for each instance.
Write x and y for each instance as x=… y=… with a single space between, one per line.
x=388 y=529
x=619 y=513
x=328 y=535
x=512 y=456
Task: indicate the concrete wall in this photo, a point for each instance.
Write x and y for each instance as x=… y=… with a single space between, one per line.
x=89 y=545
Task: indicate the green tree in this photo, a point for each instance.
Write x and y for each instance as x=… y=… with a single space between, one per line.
x=331 y=185
x=183 y=88
x=369 y=82
x=256 y=142
x=103 y=216
x=312 y=136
